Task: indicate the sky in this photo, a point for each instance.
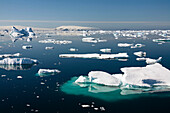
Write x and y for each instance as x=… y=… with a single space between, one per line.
x=86 y=10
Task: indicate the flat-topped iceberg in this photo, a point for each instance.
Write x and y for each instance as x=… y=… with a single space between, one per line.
x=92 y=40
x=95 y=55
x=140 y=54
x=153 y=61
x=55 y=41
x=124 y=45
x=10 y=55
x=47 y=72
x=106 y=50
x=18 y=61
x=152 y=77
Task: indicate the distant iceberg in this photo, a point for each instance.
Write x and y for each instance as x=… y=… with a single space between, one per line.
x=106 y=50
x=47 y=72
x=92 y=40
x=19 y=34
x=10 y=55
x=18 y=61
x=95 y=56
x=124 y=45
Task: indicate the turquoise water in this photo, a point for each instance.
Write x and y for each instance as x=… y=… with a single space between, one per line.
x=60 y=94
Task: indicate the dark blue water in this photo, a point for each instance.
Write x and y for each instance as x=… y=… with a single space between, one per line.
x=17 y=93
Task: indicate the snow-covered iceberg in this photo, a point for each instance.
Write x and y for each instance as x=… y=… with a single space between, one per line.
x=140 y=54
x=95 y=55
x=18 y=61
x=10 y=55
x=46 y=72
x=124 y=45
x=153 y=61
x=92 y=40
x=106 y=50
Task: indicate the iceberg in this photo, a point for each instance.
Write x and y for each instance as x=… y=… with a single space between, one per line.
x=92 y=40
x=73 y=49
x=19 y=34
x=124 y=45
x=95 y=56
x=27 y=47
x=107 y=50
x=47 y=48
x=43 y=72
x=140 y=54
x=55 y=41
x=137 y=46
x=103 y=78
x=18 y=61
x=153 y=61
x=9 y=55
x=149 y=76
x=161 y=40
x=16 y=67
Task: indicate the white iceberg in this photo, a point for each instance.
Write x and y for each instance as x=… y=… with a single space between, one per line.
x=104 y=78
x=107 y=50
x=82 y=79
x=73 y=49
x=137 y=46
x=153 y=61
x=124 y=45
x=48 y=71
x=92 y=40
x=140 y=54
x=95 y=55
x=151 y=75
x=18 y=61
x=47 y=48
x=27 y=47
x=9 y=55
x=55 y=41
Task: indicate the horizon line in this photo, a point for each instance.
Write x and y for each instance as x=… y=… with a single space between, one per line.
x=52 y=21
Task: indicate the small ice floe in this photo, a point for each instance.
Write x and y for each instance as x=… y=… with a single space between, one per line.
x=19 y=77
x=18 y=61
x=106 y=50
x=124 y=45
x=85 y=106
x=27 y=47
x=141 y=59
x=10 y=55
x=92 y=40
x=47 y=48
x=44 y=72
x=73 y=49
x=95 y=55
x=140 y=54
x=137 y=46
x=153 y=61
x=55 y=41
x=161 y=40
x=3 y=75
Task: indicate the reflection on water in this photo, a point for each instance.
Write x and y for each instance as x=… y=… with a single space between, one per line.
x=108 y=93
x=16 y=67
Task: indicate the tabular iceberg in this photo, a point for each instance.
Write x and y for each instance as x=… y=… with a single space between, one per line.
x=18 y=61
x=95 y=55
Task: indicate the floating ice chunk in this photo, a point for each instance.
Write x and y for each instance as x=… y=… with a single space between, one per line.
x=124 y=45
x=55 y=41
x=107 y=50
x=153 y=61
x=137 y=46
x=47 y=48
x=27 y=47
x=161 y=40
x=85 y=106
x=48 y=71
x=151 y=75
x=16 y=67
x=81 y=79
x=18 y=61
x=140 y=54
x=9 y=55
x=19 y=77
x=95 y=55
x=73 y=49
x=92 y=40
x=141 y=59
x=104 y=78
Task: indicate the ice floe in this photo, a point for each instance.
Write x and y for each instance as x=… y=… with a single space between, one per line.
x=47 y=48
x=18 y=61
x=55 y=41
x=92 y=40
x=124 y=45
x=152 y=61
x=106 y=50
x=27 y=47
x=95 y=56
x=46 y=72
x=10 y=55
x=73 y=49
x=140 y=54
